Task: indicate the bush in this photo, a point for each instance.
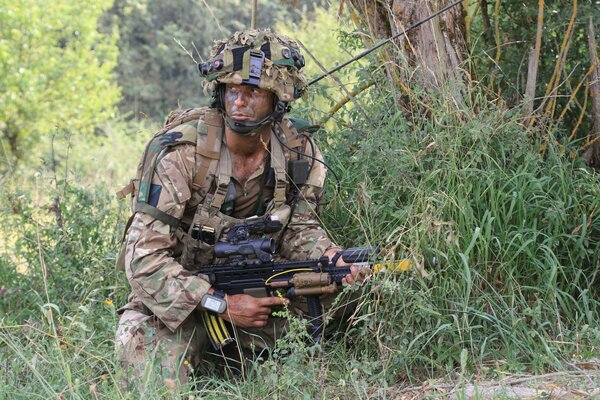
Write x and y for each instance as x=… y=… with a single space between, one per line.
x=60 y=287
x=514 y=233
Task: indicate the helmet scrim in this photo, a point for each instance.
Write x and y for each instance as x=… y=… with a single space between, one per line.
x=259 y=58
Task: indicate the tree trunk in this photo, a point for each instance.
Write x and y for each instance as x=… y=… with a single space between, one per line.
x=532 y=70
x=592 y=155
x=431 y=55
x=487 y=26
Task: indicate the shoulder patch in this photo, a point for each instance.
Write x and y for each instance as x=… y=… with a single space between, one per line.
x=169 y=137
x=154 y=194
x=202 y=128
x=184 y=133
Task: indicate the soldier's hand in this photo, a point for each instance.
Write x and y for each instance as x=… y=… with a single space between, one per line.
x=250 y=312
x=357 y=273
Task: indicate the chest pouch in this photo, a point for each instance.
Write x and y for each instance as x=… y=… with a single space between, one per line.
x=210 y=224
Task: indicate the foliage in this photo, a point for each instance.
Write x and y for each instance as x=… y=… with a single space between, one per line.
x=501 y=57
x=515 y=235
x=54 y=73
x=157 y=75
x=59 y=288
x=514 y=232
x=323 y=51
x=63 y=248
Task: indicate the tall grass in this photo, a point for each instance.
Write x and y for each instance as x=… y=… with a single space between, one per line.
x=516 y=235
x=60 y=228
x=514 y=288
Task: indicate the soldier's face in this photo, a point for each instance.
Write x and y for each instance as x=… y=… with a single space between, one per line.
x=247 y=103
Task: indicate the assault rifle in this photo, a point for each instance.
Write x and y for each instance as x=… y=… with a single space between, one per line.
x=251 y=269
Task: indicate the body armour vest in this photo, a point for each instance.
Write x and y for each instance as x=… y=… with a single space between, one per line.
x=205 y=221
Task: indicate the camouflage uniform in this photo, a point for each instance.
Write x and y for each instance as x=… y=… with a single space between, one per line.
x=159 y=318
x=159 y=322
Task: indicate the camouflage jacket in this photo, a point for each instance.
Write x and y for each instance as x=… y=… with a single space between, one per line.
x=160 y=284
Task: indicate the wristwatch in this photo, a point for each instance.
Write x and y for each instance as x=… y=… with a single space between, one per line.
x=214 y=303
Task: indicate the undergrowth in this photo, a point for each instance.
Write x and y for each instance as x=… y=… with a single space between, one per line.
x=514 y=234
x=504 y=242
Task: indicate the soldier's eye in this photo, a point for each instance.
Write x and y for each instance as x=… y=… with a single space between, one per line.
x=257 y=92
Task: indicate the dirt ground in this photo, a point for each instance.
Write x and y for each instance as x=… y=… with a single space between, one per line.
x=580 y=383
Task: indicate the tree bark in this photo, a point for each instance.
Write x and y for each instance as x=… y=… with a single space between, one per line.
x=431 y=55
x=534 y=56
x=592 y=154
x=487 y=26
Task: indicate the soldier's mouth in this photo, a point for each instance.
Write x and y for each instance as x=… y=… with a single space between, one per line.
x=241 y=117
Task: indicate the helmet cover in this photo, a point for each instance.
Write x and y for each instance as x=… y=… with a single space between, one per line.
x=259 y=58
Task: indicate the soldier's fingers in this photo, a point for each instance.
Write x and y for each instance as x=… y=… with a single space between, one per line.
x=358 y=273
x=260 y=323
x=264 y=311
x=261 y=317
x=273 y=301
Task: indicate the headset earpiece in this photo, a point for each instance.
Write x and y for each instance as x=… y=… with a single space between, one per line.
x=218 y=98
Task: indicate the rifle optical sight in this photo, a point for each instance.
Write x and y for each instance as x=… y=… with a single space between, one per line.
x=261 y=248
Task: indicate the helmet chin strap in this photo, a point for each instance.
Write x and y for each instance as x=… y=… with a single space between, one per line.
x=252 y=128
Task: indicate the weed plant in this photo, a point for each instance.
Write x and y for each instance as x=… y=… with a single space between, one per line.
x=58 y=286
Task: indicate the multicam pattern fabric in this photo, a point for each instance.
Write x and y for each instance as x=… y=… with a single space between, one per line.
x=164 y=293
x=280 y=73
x=142 y=338
x=305 y=238
x=156 y=278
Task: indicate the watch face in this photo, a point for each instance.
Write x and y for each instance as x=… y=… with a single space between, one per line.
x=214 y=304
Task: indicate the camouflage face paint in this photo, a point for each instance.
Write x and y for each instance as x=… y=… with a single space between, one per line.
x=247 y=103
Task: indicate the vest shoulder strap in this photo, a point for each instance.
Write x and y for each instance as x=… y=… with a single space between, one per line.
x=185 y=133
x=208 y=147
x=291 y=135
x=201 y=127
x=294 y=139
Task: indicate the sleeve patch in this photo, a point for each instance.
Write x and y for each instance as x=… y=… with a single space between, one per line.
x=154 y=194
x=170 y=137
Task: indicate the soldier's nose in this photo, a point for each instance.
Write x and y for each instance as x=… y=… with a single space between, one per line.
x=240 y=100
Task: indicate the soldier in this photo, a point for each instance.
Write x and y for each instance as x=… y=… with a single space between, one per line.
x=207 y=169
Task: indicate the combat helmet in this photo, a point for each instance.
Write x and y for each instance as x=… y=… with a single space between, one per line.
x=259 y=58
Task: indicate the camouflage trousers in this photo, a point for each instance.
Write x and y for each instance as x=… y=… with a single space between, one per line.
x=144 y=343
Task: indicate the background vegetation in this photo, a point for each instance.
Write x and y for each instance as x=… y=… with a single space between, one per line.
x=508 y=210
